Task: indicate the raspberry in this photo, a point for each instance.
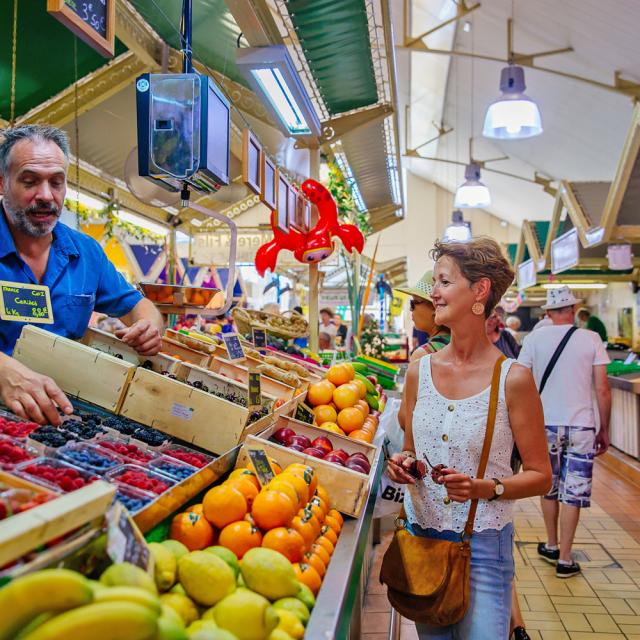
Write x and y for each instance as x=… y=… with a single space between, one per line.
x=66 y=484
x=78 y=483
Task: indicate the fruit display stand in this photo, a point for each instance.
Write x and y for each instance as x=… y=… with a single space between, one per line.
x=348 y=488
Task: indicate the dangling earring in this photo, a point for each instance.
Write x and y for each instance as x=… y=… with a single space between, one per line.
x=477 y=309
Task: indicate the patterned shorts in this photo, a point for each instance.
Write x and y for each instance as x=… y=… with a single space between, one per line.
x=571 y=450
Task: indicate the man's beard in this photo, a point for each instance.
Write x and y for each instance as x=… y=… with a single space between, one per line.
x=31 y=226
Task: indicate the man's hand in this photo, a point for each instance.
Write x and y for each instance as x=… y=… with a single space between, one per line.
x=31 y=395
x=143 y=336
x=602 y=442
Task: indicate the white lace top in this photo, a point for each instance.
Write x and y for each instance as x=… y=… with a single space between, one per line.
x=451 y=432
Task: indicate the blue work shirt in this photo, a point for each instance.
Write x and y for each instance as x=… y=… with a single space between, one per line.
x=80 y=278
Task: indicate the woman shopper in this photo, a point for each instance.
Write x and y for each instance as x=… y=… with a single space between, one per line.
x=446 y=395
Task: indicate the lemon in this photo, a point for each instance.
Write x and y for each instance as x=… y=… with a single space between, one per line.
x=176 y=547
x=279 y=634
x=126 y=574
x=205 y=577
x=178 y=588
x=290 y=623
x=208 y=630
x=165 y=565
x=227 y=555
x=171 y=627
x=294 y=606
x=201 y=624
x=246 y=614
x=269 y=573
x=183 y=606
x=305 y=595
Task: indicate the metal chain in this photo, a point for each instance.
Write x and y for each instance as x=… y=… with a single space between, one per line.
x=14 y=57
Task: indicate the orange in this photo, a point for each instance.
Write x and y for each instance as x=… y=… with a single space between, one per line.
x=349 y=367
x=288 y=489
x=272 y=509
x=325 y=413
x=314 y=560
x=307 y=514
x=239 y=537
x=330 y=534
x=317 y=500
x=323 y=541
x=322 y=493
x=344 y=397
x=336 y=515
x=309 y=576
x=196 y=508
x=332 y=426
x=193 y=530
x=359 y=434
x=320 y=393
x=224 y=505
x=363 y=406
x=307 y=474
x=243 y=472
x=244 y=485
x=361 y=387
x=339 y=374
x=300 y=485
x=287 y=541
x=316 y=510
x=305 y=529
x=350 y=419
x=321 y=552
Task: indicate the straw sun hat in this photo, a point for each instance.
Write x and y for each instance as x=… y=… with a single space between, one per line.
x=422 y=288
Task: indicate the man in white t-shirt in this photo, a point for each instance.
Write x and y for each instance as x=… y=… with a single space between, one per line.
x=570 y=420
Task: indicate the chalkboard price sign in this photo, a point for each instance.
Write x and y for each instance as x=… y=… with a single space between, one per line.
x=304 y=413
x=259 y=338
x=20 y=302
x=234 y=346
x=91 y=20
x=255 y=389
x=261 y=464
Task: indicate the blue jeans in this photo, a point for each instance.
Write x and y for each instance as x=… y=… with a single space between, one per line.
x=492 y=571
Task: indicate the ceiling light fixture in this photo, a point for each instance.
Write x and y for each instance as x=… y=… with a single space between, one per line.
x=459 y=230
x=620 y=257
x=472 y=193
x=514 y=115
x=272 y=74
x=575 y=285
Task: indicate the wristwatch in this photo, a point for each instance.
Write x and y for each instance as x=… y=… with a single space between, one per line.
x=498 y=491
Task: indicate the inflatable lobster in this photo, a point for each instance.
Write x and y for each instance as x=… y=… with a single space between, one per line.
x=315 y=245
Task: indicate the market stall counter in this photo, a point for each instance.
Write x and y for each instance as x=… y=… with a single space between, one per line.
x=625 y=408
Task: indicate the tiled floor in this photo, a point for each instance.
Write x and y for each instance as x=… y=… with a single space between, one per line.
x=601 y=604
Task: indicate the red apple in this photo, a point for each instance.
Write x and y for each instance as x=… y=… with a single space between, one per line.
x=332 y=457
x=301 y=440
x=356 y=465
x=359 y=454
x=296 y=447
x=284 y=435
x=323 y=442
x=341 y=453
x=315 y=452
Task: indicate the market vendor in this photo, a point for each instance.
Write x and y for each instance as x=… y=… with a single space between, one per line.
x=35 y=248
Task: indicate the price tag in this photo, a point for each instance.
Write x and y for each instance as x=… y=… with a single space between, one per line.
x=261 y=464
x=20 y=302
x=125 y=542
x=631 y=358
x=234 y=346
x=255 y=390
x=304 y=413
x=259 y=338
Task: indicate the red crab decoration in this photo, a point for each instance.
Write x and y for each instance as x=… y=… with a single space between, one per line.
x=315 y=245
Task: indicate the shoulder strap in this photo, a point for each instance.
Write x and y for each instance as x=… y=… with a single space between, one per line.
x=488 y=437
x=554 y=358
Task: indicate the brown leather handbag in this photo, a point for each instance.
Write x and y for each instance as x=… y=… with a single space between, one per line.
x=428 y=579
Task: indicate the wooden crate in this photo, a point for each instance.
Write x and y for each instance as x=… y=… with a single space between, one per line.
x=26 y=531
x=182 y=352
x=190 y=342
x=347 y=489
x=79 y=370
x=194 y=416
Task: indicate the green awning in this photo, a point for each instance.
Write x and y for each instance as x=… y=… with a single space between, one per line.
x=44 y=60
x=214 y=35
x=335 y=40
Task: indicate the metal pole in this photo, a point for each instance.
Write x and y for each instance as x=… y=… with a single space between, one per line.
x=187 y=61
x=395 y=625
x=314 y=273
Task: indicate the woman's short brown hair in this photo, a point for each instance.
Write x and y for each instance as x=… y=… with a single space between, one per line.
x=479 y=258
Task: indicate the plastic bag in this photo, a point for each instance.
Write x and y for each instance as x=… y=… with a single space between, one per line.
x=390 y=436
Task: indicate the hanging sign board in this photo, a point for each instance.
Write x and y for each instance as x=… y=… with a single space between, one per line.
x=526 y=275
x=93 y=21
x=251 y=161
x=564 y=251
x=21 y=302
x=234 y=346
x=282 y=203
x=268 y=183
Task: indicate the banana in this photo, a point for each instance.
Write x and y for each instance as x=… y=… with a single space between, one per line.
x=100 y=621
x=372 y=401
x=370 y=388
x=49 y=590
x=129 y=594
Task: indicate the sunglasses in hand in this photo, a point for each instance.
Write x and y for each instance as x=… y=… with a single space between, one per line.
x=436 y=470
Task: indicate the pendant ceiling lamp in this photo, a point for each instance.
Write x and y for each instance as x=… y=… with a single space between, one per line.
x=472 y=193
x=514 y=115
x=459 y=230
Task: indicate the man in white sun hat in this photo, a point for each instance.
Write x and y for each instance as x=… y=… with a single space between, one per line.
x=567 y=363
